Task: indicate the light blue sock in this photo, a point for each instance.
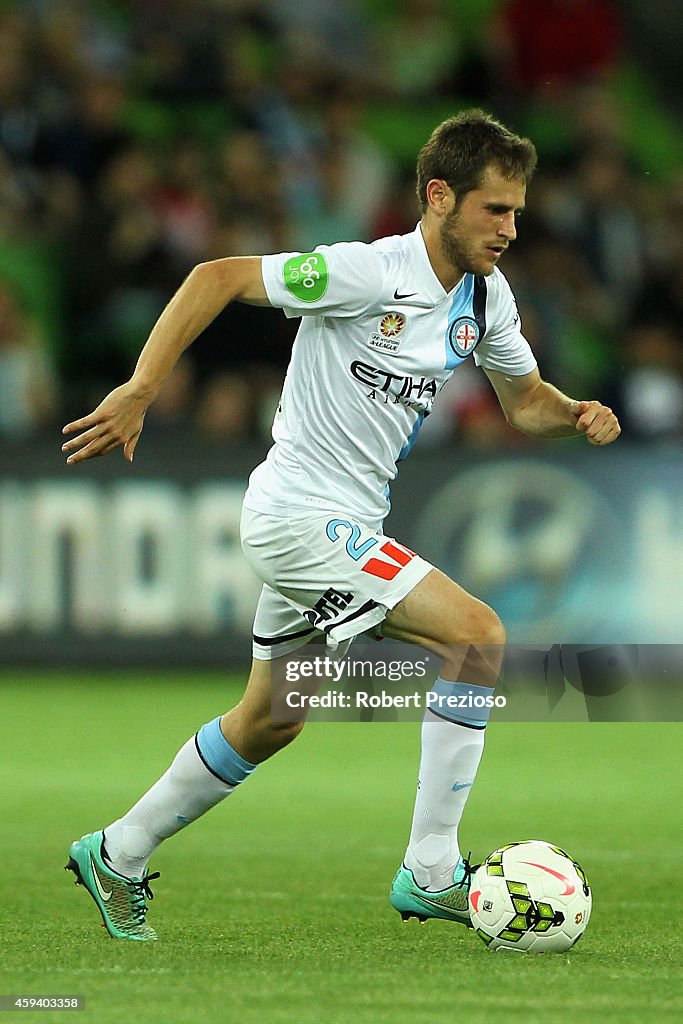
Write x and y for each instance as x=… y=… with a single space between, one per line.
x=220 y=757
x=463 y=703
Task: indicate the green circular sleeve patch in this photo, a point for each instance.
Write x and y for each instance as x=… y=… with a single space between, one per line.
x=306 y=276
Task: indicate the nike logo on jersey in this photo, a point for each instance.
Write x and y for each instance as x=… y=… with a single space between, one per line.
x=408 y=295
x=460 y=785
x=105 y=894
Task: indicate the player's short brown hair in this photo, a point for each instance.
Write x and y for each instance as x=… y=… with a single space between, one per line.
x=461 y=148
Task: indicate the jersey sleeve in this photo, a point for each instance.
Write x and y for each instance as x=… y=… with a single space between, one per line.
x=503 y=347
x=343 y=279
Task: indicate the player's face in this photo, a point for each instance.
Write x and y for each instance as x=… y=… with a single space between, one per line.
x=476 y=233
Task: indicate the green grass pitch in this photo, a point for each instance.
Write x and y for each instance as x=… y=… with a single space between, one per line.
x=274 y=908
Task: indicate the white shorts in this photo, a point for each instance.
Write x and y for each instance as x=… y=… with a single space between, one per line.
x=324 y=575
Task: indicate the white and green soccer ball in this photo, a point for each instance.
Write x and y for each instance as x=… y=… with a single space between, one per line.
x=530 y=896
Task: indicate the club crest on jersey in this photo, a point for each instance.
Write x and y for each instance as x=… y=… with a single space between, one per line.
x=463 y=336
x=385 y=338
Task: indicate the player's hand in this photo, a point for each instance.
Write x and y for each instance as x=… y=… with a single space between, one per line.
x=596 y=421
x=116 y=422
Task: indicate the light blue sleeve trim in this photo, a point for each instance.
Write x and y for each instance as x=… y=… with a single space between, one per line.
x=220 y=757
x=462 y=703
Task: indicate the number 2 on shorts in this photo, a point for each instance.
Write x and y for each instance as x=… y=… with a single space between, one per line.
x=399 y=556
x=353 y=548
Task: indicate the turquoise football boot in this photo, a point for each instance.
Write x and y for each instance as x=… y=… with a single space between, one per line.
x=449 y=904
x=120 y=900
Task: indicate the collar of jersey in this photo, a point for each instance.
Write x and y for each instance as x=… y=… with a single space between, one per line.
x=429 y=285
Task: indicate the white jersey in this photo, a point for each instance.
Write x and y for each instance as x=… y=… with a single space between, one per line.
x=379 y=338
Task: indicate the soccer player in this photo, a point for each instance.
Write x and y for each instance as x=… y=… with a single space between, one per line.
x=383 y=328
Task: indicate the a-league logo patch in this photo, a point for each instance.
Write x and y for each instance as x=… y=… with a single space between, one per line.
x=463 y=336
x=386 y=337
x=391 y=324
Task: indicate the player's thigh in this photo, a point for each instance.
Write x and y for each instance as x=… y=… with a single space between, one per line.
x=439 y=614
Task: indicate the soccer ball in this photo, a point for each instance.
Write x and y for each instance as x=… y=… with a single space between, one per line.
x=530 y=896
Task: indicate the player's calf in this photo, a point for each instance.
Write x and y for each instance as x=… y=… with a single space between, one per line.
x=258 y=736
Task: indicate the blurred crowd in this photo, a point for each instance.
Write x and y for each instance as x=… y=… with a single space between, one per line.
x=139 y=137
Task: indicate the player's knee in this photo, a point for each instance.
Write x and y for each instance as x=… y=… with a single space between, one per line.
x=479 y=626
x=476 y=653
x=489 y=628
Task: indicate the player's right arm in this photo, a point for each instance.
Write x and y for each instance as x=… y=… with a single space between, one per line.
x=117 y=421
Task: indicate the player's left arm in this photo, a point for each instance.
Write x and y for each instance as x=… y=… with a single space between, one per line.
x=539 y=409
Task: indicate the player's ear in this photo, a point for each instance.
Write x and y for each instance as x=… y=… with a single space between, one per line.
x=440 y=196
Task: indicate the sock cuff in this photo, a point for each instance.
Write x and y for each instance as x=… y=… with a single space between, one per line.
x=219 y=756
x=462 y=703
